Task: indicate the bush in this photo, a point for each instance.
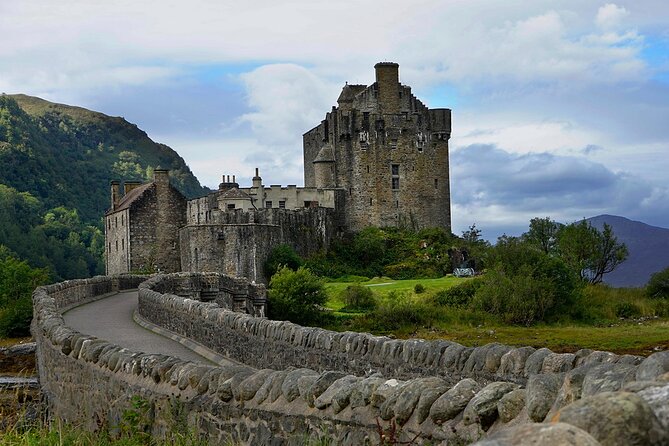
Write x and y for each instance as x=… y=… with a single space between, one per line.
x=419 y=288
x=358 y=298
x=534 y=293
x=658 y=285
x=296 y=296
x=627 y=310
x=282 y=255
x=399 y=311
x=459 y=296
x=15 y=318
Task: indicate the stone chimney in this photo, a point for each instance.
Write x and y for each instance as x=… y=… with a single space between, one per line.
x=388 y=84
x=115 y=197
x=130 y=185
x=161 y=176
x=257 y=181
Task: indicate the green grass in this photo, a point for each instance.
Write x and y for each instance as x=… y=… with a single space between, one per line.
x=382 y=286
x=612 y=319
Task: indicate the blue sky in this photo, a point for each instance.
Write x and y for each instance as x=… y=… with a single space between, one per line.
x=560 y=108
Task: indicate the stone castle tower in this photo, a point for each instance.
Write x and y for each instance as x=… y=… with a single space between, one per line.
x=387 y=151
x=378 y=159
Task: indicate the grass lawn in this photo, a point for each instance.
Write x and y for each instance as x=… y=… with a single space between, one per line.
x=384 y=285
x=624 y=337
x=641 y=337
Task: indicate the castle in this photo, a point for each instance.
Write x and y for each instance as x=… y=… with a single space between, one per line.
x=378 y=159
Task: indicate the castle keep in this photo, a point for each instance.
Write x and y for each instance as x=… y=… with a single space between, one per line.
x=378 y=159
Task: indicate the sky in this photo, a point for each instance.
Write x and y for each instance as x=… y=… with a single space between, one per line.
x=560 y=108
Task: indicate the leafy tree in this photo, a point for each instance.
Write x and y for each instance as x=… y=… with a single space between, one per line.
x=588 y=251
x=543 y=233
x=17 y=281
x=296 y=296
x=282 y=255
x=658 y=285
x=474 y=248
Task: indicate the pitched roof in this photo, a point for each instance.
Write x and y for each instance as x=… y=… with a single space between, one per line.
x=349 y=92
x=235 y=194
x=129 y=198
x=325 y=155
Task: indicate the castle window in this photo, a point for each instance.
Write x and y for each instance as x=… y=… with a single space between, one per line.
x=395 y=173
x=109 y=246
x=282 y=204
x=117 y=245
x=367 y=169
x=370 y=201
x=122 y=244
x=116 y=222
x=436 y=183
x=231 y=207
x=268 y=204
x=121 y=219
x=365 y=121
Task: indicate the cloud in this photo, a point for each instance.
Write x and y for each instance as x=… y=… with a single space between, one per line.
x=505 y=190
x=610 y=16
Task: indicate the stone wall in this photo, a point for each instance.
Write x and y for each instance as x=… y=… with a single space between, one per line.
x=592 y=397
x=238 y=243
x=377 y=127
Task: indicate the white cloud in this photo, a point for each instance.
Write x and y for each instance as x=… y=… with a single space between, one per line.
x=610 y=16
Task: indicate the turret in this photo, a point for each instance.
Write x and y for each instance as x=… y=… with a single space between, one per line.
x=388 y=84
x=324 y=168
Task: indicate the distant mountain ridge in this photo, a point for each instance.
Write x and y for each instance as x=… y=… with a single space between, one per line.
x=66 y=155
x=648 y=250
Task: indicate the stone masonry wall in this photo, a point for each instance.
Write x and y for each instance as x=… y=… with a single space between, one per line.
x=238 y=243
x=585 y=398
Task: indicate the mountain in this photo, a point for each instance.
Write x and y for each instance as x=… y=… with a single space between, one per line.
x=56 y=164
x=648 y=250
x=66 y=156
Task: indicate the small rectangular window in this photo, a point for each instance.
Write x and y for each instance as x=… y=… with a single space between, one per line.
x=395 y=183
x=282 y=204
x=231 y=206
x=122 y=244
x=436 y=183
x=395 y=169
x=268 y=204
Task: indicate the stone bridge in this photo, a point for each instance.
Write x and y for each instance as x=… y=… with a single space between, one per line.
x=280 y=383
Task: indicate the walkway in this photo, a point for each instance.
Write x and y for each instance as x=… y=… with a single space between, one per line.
x=111 y=319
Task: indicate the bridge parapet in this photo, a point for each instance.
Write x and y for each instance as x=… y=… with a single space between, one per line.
x=90 y=382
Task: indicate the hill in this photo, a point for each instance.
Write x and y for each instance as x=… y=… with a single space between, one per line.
x=648 y=250
x=57 y=162
x=66 y=156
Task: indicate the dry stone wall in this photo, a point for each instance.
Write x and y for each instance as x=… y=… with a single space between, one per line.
x=490 y=393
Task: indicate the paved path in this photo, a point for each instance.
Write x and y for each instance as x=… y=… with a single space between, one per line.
x=111 y=319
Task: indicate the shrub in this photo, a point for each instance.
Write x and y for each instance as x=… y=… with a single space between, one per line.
x=400 y=310
x=534 y=293
x=296 y=296
x=15 y=318
x=358 y=297
x=282 y=255
x=459 y=296
x=419 y=288
x=627 y=310
x=658 y=285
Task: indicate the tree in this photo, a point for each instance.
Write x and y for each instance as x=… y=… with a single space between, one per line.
x=282 y=255
x=296 y=296
x=543 y=234
x=588 y=251
x=658 y=285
